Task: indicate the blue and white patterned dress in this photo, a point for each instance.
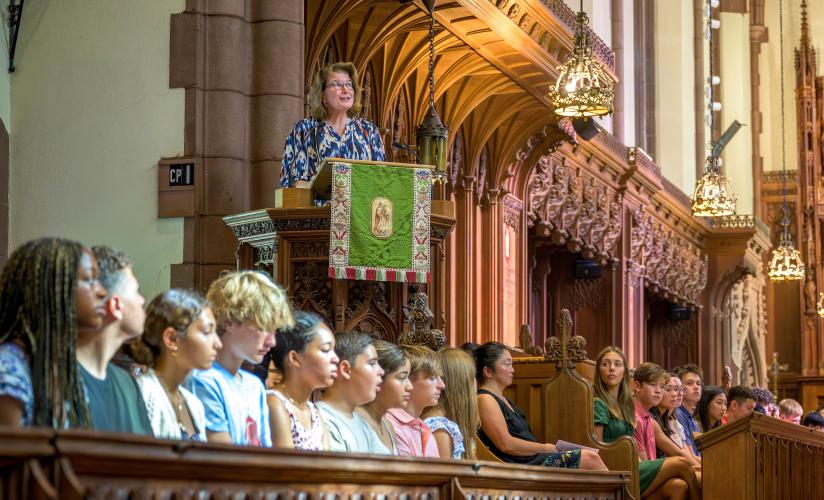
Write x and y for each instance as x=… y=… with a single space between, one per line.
x=444 y=424
x=15 y=379
x=312 y=140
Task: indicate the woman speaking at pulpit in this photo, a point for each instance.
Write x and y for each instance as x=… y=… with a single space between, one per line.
x=332 y=129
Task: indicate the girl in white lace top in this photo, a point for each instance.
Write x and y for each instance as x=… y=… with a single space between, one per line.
x=305 y=355
x=179 y=335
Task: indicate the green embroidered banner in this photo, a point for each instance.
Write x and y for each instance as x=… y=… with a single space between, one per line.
x=379 y=227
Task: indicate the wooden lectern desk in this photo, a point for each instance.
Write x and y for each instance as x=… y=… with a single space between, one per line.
x=762 y=458
x=291 y=241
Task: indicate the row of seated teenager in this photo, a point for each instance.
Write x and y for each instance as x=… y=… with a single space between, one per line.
x=67 y=310
x=664 y=412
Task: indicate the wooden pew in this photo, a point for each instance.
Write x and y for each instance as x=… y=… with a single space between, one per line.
x=484 y=453
x=531 y=373
x=762 y=458
x=86 y=464
x=556 y=395
x=22 y=476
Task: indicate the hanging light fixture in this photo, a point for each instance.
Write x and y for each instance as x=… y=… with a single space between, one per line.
x=584 y=88
x=432 y=135
x=713 y=195
x=785 y=262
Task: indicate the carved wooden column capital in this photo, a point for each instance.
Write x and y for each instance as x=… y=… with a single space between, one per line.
x=513 y=208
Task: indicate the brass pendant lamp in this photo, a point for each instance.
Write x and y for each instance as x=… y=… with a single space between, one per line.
x=584 y=88
x=785 y=261
x=432 y=135
x=713 y=195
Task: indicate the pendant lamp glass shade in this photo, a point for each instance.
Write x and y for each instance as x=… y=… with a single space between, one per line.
x=583 y=88
x=785 y=262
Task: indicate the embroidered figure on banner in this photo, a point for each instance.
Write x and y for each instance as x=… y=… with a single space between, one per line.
x=382 y=212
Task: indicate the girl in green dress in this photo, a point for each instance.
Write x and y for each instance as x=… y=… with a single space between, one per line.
x=672 y=477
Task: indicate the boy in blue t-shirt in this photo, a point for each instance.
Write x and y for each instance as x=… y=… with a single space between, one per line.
x=248 y=308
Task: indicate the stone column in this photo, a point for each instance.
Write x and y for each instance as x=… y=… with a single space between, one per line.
x=241 y=64
x=278 y=78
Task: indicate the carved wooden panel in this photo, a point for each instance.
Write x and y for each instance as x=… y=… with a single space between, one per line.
x=109 y=488
x=572 y=208
x=371 y=309
x=311 y=289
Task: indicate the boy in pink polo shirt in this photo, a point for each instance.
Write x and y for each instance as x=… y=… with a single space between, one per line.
x=413 y=437
x=670 y=477
x=648 y=382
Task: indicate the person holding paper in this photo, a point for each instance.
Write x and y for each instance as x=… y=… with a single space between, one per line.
x=333 y=128
x=504 y=429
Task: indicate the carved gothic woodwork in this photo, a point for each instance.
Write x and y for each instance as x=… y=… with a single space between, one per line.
x=301 y=236
x=587 y=293
x=565 y=349
x=525 y=340
x=481 y=184
x=672 y=267
x=810 y=122
x=573 y=209
x=809 y=93
x=797 y=336
x=519 y=15
x=311 y=290
x=419 y=317
x=371 y=309
x=513 y=208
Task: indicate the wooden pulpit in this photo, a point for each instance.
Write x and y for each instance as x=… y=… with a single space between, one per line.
x=291 y=241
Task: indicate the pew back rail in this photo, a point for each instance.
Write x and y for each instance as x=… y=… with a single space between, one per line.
x=87 y=464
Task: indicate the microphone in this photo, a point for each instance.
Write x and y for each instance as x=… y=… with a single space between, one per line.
x=407 y=148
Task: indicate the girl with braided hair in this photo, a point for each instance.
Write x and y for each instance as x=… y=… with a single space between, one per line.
x=48 y=292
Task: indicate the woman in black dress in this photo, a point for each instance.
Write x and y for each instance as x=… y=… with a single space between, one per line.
x=504 y=429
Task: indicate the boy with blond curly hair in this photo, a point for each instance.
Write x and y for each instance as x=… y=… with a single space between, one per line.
x=248 y=308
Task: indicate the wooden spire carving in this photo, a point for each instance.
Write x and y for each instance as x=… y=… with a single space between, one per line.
x=565 y=349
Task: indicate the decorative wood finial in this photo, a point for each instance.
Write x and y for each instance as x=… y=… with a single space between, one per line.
x=726 y=378
x=565 y=349
x=525 y=340
x=420 y=317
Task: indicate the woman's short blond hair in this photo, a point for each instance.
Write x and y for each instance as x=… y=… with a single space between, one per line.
x=314 y=99
x=249 y=296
